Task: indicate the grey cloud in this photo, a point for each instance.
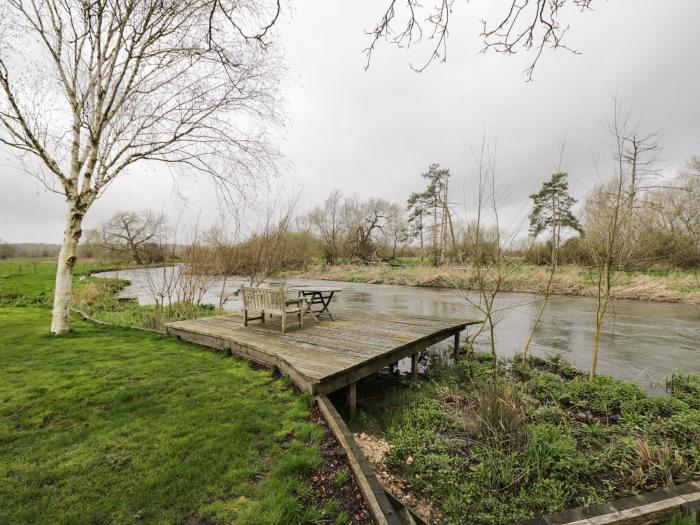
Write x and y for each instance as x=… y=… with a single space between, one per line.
x=374 y=132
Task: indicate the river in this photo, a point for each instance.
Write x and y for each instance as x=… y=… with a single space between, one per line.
x=641 y=341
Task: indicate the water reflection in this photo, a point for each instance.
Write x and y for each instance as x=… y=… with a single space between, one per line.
x=643 y=342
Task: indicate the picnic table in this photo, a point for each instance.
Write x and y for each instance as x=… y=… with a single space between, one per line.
x=319 y=295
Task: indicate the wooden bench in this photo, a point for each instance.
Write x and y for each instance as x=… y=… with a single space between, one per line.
x=272 y=300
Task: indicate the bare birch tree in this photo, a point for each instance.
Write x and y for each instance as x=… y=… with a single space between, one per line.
x=88 y=90
x=487 y=247
x=609 y=227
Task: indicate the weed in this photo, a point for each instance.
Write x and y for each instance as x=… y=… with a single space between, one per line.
x=498 y=414
x=341 y=478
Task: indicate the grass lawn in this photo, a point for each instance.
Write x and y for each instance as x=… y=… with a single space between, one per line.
x=29 y=284
x=110 y=425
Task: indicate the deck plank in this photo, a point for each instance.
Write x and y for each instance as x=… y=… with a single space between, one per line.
x=326 y=355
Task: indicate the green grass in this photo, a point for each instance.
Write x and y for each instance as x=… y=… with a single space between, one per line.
x=111 y=425
x=341 y=478
x=96 y=296
x=681 y=519
x=26 y=284
x=32 y=283
x=492 y=446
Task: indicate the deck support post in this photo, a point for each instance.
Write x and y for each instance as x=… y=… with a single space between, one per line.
x=414 y=366
x=456 y=348
x=352 y=399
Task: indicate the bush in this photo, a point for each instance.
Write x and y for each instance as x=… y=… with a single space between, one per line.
x=572 y=251
x=549 y=454
x=684 y=427
x=539 y=253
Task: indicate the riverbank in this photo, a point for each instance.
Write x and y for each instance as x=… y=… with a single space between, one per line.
x=478 y=444
x=23 y=284
x=661 y=286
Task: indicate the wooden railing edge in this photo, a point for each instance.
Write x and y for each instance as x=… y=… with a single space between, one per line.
x=650 y=508
x=379 y=505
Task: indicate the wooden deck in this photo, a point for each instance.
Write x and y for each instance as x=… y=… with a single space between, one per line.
x=323 y=356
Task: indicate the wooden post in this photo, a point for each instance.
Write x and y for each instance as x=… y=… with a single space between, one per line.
x=414 y=366
x=456 y=349
x=352 y=399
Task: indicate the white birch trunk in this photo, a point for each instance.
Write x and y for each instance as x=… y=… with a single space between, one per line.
x=64 y=271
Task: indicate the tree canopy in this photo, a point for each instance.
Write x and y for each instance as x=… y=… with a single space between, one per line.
x=551 y=209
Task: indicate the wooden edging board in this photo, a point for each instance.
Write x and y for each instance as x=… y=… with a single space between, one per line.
x=646 y=509
x=380 y=507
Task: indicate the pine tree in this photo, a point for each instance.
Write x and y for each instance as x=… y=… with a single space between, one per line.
x=433 y=203
x=551 y=210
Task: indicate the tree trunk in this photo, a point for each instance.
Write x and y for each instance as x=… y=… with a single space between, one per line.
x=596 y=346
x=600 y=315
x=458 y=252
x=64 y=271
x=421 y=240
x=135 y=255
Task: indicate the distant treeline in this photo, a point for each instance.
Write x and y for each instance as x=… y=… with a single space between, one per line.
x=27 y=250
x=661 y=229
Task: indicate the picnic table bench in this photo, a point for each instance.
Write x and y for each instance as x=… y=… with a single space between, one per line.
x=319 y=295
x=274 y=301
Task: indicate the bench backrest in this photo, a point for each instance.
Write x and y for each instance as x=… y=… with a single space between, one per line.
x=267 y=299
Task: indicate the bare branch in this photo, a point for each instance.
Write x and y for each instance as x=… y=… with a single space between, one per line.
x=530 y=25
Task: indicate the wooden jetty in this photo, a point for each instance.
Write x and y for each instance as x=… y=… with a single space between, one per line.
x=324 y=356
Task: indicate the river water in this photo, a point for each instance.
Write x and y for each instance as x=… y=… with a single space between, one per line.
x=642 y=342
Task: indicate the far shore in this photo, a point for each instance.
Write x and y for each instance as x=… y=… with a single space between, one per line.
x=672 y=286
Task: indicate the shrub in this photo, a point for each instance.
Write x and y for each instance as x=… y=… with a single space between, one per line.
x=547 y=386
x=604 y=397
x=540 y=253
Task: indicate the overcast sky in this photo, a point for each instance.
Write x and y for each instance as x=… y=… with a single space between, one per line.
x=375 y=132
